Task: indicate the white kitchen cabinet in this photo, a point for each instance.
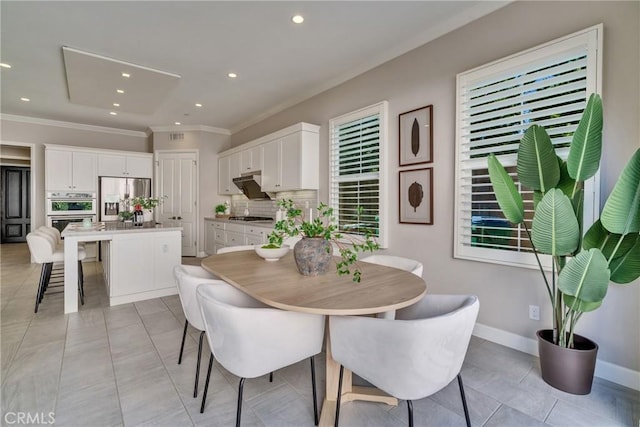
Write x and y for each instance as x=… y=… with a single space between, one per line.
x=251 y=160
x=209 y=237
x=127 y=166
x=220 y=234
x=291 y=162
x=68 y=170
x=228 y=168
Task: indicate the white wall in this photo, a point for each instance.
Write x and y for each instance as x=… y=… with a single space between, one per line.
x=40 y=132
x=427 y=76
x=208 y=144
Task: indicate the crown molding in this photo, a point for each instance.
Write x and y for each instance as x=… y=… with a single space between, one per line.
x=190 y=128
x=71 y=125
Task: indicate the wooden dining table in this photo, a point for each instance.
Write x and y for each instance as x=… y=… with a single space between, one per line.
x=280 y=285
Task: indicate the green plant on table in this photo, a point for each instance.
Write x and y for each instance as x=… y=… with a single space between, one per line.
x=145 y=202
x=221 y=208
x=581 y=266
x=323 y=226
x=125 y=215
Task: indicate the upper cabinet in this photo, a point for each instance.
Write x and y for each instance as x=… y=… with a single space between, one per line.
x=128 y=166
x=291 y=162
x=228 y=168
x=251 y=160
x=68 y=170
x=288 y=159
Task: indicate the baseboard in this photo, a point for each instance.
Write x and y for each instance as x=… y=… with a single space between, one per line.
x=605 y=370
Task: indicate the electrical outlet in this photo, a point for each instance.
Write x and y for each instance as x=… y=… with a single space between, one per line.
x=534 y=312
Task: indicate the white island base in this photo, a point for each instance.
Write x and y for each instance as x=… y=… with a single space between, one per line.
x=138 y=263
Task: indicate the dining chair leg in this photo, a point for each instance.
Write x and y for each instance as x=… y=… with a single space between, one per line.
x=80 y=283
x=184 y=336
x=40 y=287
x=239 y=411
x=313 y=385
x=464 y=401
x=410 y=409
x=206 y=384
x=270 y=377
x=339 y=395
x=47 y=278
x=195 y=387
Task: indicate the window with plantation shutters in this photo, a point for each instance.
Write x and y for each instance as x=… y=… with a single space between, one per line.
x=547 y=85
x=356 y=191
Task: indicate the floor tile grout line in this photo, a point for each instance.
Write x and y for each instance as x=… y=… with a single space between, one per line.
x=113 y=368
x=64 y=348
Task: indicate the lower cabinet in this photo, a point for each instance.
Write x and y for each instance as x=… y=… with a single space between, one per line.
x=141 y=266
x=220 y=234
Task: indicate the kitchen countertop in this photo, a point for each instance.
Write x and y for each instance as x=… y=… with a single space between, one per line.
x=114 y=227
x=267 y=224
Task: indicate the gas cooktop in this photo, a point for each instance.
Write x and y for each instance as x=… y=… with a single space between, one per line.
x=251 y=218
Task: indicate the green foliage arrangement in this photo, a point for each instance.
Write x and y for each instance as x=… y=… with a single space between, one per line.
x=145 y=202
x=221 y=208
x=610 y=250
x=323 y=226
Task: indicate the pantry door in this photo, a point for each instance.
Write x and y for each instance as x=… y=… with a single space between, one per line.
x=177 y=184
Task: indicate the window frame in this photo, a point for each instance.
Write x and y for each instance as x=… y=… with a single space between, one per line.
x=382 y=110
x=591 y=38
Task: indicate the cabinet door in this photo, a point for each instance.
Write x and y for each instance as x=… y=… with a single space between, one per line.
x=58 y=165
x=133 y=262
x=209 y=237
x=223 y=176
x=234 y=168
x=85 y=171
x=139 y=167
x=111 y=165
x=270 y=169
x=251 y=160
x=290 y=157
x=234 y=238
x=166 y=249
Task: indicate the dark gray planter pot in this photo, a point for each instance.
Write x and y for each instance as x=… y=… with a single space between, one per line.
x=567 y=369
x=312 y=255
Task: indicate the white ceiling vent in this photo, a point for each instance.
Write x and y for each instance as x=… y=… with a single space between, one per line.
x=176 y=136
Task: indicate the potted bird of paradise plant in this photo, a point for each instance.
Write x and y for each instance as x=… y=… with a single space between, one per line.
x=582 y=265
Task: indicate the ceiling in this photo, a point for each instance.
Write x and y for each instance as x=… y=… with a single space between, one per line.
x=278 y=63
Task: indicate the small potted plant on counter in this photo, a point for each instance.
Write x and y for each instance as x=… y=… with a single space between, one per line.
x=126 y=216
x=314 y=251
x=223 y=210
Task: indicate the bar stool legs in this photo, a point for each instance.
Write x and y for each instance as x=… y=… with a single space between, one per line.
x=45 y=278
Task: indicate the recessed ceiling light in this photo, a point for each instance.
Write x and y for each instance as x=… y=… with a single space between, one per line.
x=178 y=123
x=115 y=104
x=119 y=91
x=113 y=113
x=126 y=75
x=3 y=65
x=297 y=19
x=198 y=105
x=25 y=99
x=232 y=75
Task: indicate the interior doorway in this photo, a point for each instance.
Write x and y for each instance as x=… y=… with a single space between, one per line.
x=16 y=191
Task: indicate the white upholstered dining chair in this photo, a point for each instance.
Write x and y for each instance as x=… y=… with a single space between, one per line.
x=189 y=277
x=250 y=339
x=423 y=349
x=406 y=264
x=45 y=251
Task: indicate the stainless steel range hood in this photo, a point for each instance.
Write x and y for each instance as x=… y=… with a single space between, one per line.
x=249 y=183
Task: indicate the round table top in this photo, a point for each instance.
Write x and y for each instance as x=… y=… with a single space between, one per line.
x=280 y=285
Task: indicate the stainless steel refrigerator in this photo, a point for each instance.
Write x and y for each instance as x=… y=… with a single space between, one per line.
x=115 y=193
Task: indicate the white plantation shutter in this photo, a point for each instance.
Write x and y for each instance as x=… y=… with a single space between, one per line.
x=547 y=85
x=355 y=159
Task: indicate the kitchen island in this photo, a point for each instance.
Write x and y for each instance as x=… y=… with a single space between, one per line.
x=138 y=262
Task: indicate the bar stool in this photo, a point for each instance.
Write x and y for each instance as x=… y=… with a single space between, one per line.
x=43 y=250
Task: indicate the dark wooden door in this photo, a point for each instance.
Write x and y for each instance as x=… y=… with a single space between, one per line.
x=15 y=204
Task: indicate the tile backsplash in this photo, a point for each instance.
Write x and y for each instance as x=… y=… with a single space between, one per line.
x=269 y=207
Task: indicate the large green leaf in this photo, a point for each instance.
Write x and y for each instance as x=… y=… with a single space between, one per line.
x=555 y=229
x=586 y=276
x=621 y=212
x=580 y=305
x=586 y=146
x=537 y=161
x=598 y=237
x=507 y=194
x=626 y=269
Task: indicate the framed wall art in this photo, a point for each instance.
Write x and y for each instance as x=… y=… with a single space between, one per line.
x=416 y=136
x=416 y=196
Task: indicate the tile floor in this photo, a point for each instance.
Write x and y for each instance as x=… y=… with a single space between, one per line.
x=114 y=366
